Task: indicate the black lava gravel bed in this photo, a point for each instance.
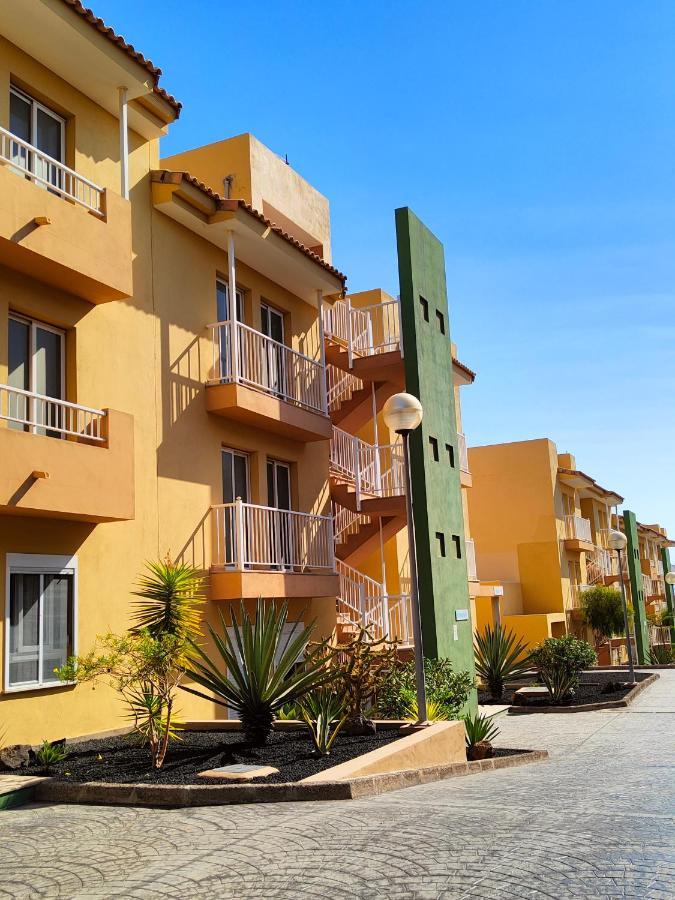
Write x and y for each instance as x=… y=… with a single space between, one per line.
x=595 y=687
x=120 y=760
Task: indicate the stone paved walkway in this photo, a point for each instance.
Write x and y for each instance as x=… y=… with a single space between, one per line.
x=596 y=820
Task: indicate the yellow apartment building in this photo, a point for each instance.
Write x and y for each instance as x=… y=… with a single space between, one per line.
x=141 y=411
x=540 y=529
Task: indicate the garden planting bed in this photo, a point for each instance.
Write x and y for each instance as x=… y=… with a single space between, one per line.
x=597 y=690
x=120 y=760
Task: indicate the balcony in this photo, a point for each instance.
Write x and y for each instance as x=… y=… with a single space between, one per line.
x=577 y=534
x=367 y=477
x=365 y=340
x=64 y=461
x=61 y=228
x=260 y=551
x=262 y=382
x=471 y=569
x=463 y=453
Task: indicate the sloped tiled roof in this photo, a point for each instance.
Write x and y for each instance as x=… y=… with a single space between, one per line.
x=89 y=16
x=167 y=175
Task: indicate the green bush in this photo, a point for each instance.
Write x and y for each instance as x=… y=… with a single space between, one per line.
x=479 y=728
x=602 y=611
x=500 y=655
x=667 y=618
x=324 y=713
x=49 y=753
x=661 y=655
x=448 y=690
x=560 y=662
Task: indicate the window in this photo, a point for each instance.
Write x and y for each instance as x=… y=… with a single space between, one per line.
x=451 y=454
x=40 y=626
x=440 y=537
x=274 y=354
x=223 y=302
x=458 y=545
x=433 y=445
x=39 y=126
x=440 y=318
x=36 y=357
x=425 y=308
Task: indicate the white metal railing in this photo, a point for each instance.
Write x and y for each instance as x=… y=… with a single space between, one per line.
x=649 y=586
x=250 y=536
x=346 y=522
x=400 y=619
x=576 y=591
x=268 y=365
x=659 y=568
x=659 y=634
x=364 y=331
x=578 y=528
x=463 y=453
x=598 y=565
x=49 y=173
x=362 y=600
x=375 y=470
x=40 y=414
x=471 y=569
x=341 y=385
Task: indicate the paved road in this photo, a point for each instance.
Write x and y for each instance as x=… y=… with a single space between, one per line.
x=597 y=820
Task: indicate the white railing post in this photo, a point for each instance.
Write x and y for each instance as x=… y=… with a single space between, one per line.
x=385 y=616
x=239 y=533
x=350 y=346
x=232 y=301
x=357 y=471
x=322 y=352
x=362 y=603
x=124 y=143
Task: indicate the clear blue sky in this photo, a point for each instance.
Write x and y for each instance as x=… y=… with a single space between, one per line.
x=536 y=139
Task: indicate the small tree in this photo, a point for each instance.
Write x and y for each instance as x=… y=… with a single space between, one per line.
x=447 y=690
x=602 y=611
x=361 y=664
x=560 y=662
x=146 y=664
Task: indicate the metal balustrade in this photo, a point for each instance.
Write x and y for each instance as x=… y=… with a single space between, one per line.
x=341 y=385
x=364 y=602
x=463 y=453
x=265 y=364
x=375 y=470
x=598 y=565
x=39 y=414
x=578 y=529
x=42 y=169
x=248 y=536
x=471 y=569
x=364 y=331
x=659 y=634
x=346 y=522
x=401 y=620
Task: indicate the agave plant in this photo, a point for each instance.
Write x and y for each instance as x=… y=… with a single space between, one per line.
x=479 y=729
x=324 y=713
x=258 y=672
x=436 y=711
x=500 y=655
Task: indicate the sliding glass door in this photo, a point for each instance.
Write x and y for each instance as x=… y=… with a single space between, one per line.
x=36 y=365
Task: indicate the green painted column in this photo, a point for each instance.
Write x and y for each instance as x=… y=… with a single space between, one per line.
x=434 y=454
x=670 y=590
x=636 y=586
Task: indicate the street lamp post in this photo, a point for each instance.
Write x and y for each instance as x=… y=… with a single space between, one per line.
x=669 y=578
x=617 y=541
x=403 y=414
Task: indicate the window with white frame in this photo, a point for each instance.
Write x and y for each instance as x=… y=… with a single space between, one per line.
x=40 y=623
x=42 y=128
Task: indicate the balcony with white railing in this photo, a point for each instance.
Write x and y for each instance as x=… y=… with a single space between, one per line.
x=371 y=471
x=256 y=379
x=660 y=634
x=366 y=330
x=577 y=531
x=80 y=231
x=64 y=460
x=269 y=552
x=463 y=453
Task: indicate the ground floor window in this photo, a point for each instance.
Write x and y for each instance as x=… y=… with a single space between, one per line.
x=40 y=619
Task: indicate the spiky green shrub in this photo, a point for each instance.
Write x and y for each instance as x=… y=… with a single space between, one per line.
x=500 y=656
x=436 y=711
x=256 y=669
x=560 y=662
x=479 y=728
x=169 y=600
x=324 y=713
x=48 y=754
x=602 y=611
x=661 y=655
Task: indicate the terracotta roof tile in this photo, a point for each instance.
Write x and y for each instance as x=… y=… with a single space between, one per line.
x=89 y=16
x=460 y=365
x=233 y=204
x=593 y=482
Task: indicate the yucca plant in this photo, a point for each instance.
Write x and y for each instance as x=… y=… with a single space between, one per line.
x=324 y=712
x=480 y=729
x=500 y=656
x=436 y=711
x=170 y=596
x=258 y=671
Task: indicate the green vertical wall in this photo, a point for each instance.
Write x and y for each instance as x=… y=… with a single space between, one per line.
x=636 y=586
x=437 y=500
x=670 y=590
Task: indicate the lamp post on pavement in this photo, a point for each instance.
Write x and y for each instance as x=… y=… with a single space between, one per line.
x=403 y=414
x=617 y=540
x=669 y=578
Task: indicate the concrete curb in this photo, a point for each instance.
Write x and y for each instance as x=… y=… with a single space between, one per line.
x=589 y=707
x=170 y=795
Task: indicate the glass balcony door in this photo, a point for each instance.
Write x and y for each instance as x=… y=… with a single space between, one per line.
x=279 y=498
x=235 y=466
x=38 y=125
x=272 y=324
x=36 y=364
x=223 y=315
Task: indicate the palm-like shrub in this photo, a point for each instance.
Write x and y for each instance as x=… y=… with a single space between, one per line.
x=256 y=672
x=500 y=656
x=170 y=596
x=436 y=711
x=324 y=712
x=480 y=729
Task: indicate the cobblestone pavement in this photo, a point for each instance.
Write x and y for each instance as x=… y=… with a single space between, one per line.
x=596 y=820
